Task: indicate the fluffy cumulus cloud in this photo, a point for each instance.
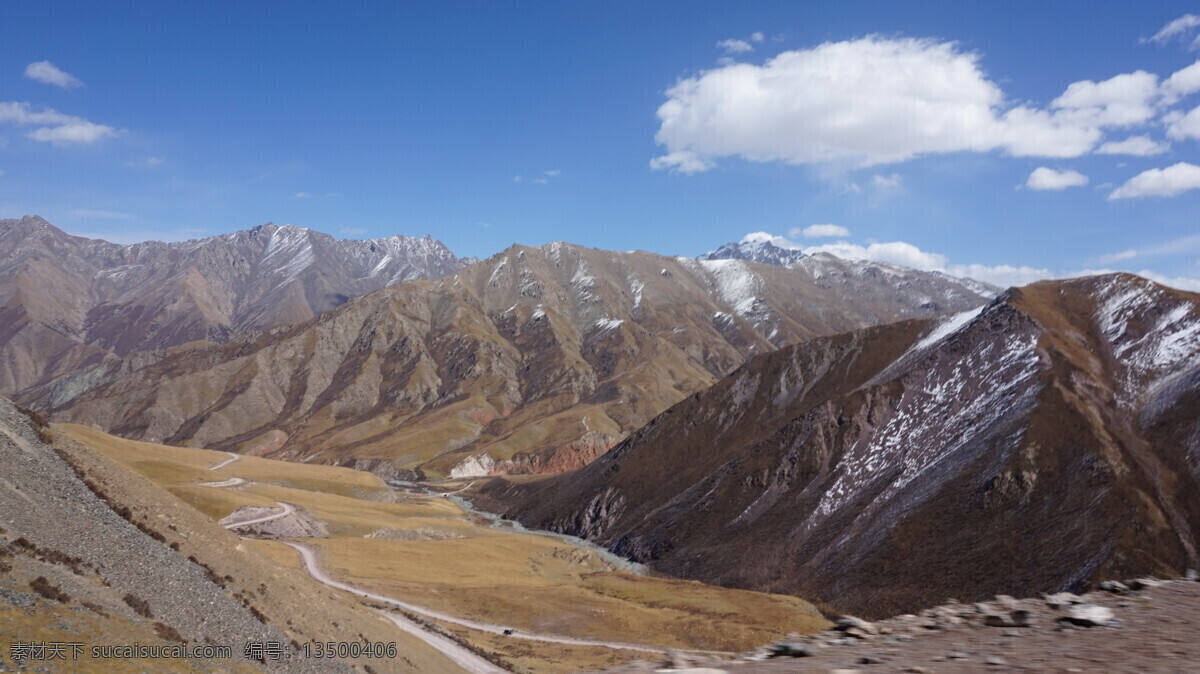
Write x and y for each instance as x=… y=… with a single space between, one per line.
x=821 y=231
x=1044 y=178
x=54 y=126
x=1166 y=182
x=1181 y=83
x=1181 y=126
x=876 y=101
x=1123 y=100
x=48 y=73
x=1137 y=146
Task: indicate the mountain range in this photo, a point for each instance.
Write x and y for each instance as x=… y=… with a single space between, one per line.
x=537 y=359
x=1043 y=442
x=68 y=302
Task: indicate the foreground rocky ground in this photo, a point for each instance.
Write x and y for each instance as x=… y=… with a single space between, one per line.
x=1145 y=625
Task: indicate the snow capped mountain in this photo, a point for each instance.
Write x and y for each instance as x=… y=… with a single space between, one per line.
x=1046 y=440
x=758 y=247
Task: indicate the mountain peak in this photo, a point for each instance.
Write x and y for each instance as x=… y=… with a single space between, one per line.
x=757 y=247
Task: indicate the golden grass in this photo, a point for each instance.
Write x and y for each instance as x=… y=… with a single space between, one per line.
x=530 y=582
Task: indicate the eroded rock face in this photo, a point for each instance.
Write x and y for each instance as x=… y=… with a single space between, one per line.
x=536 y=360
x=1035 y=445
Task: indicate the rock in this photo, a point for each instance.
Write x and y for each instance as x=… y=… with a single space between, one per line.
x=1143 y=583
x=1060 y=599
x=1192 y=575
x=848 y=622
x=1088 y=615
x=790 y=649
x=996 y=660
x=1007 y=601
x=957 y=655
x=916 y=670
x=1018 y=618
x=870 y=660
x=1114 y=586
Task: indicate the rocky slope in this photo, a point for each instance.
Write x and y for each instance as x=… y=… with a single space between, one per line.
x=1041 y=443
x=538 y=359
x=1143 y=625
x=67 y=302
x=92 y=554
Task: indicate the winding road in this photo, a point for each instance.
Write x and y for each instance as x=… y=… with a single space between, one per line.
x=314 y=569
x=461 y=656
x=288 y=509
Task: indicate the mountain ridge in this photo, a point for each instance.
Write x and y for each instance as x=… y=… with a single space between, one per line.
x=69 y=302
x=1056 y=432
x=537 y=359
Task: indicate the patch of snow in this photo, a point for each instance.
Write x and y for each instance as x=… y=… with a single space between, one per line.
x=637 y=287
x=609 y=323
x=737 y=285
x=496 y=272
x=948 y=327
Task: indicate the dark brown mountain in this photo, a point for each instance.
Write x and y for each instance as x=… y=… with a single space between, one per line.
x=68 y=302
x=538 y=359
x=1048 y=441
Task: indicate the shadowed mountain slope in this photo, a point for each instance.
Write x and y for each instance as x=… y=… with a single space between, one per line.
x=1047 y=441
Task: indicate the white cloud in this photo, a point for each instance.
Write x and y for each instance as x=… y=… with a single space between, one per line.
x=1137 y=146
x=552 y=173
x=907 y=255
x=1044 y=178
x=48 y=73
x=1 y=173
x=1002 y=275
x=757 y=36
x=1123 y=100
x=681 y=161
x=886 y=182
x=877 y=101
x=352 y=231
x=1178 y=28
x=821 y=231
x=302 y=195
x=1181 y=83
x=55 y=127
x=1117 y=257
x=891 y=252
x=1166 y=182
x=1181 y=282
x=732 y=46
x=1180 y=126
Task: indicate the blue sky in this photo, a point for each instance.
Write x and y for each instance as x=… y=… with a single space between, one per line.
x=991 y=141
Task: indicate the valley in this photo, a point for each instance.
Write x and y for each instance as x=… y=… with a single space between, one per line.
x=568 y=609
